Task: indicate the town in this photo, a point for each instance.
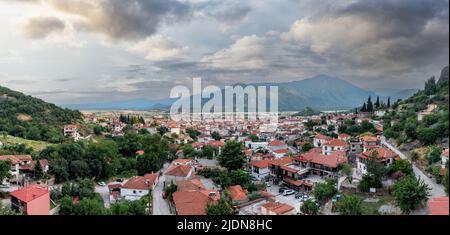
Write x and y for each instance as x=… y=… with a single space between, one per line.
x=140 y=163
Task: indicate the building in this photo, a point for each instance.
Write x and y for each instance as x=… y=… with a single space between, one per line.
x=276 y=208
x=277 y=145
x=138 y=186
x=320 y=139
x=237 y=194
x=71 y=131
x=193 y=197
x=31 y=200
x=17 y=161
x=370 y=142
x=260 y=169
x=334 y=145
x=438 y=206
x=355 y=146
x=179 y=172
x=280 y=153
x=383 y=155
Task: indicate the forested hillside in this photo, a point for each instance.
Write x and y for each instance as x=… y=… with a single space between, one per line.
x=31 y=118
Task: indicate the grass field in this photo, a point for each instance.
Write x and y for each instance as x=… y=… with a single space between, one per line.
x=35 y=145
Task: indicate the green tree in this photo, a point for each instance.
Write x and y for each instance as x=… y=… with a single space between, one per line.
x=403 y=166
x=222 y=207
x=170 y=190
x=89 y=206
x=389 y=102
x=216 y=136
x=306 y=147
x=309 y=207
x=346 y=169
x=426 y=135
x=253 y=138
x=5 y=167
x=369 y=105
x=445 y=180
x=414 y=155
x=410 y=193
x=325 y=191
x=232 y=156
x=377 y=103
x=66 y=206
x=6 y=211
x=38 y=171
x=350 y=205
x=433 y=155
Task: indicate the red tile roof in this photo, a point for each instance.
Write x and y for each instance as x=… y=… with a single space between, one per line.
x=322 y=136
x=260 y=164
x=194 y=202
x=336 y=143
x=280 y=161
x=237 y=193
x=193 y=184
x=141 y=182
x=333 y=160
x=276 y=143
x=281 y=151
x=16 y=159
x=216 y=143
x=438 y=206
x=30 y=193
x=179 y=170
x=383 y=153
x=278 y=208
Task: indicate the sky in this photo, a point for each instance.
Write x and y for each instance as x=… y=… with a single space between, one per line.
x=91 y=51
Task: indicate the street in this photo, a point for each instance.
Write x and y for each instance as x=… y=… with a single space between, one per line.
x=436 y=190
x=160 y=206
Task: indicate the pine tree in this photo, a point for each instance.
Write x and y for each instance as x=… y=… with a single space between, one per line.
x=377 y=103
x=356 y=110
x=389 y=102
x=369 y=105
x=38 y=171
x=364 y=107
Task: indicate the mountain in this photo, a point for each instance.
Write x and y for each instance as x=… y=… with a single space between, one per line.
x=444 y=75
x=134 y=104
x=31 y=118
x=320 y=92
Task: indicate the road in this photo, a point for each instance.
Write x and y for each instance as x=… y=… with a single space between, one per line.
x=160 y=206
x=436 y=190
x=104 y=192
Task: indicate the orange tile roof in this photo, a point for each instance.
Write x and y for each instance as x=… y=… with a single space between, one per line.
x=281 y=151
x=276 y=143
x=16 y=159
x=30 y=193
x=278 y=208
x=333 y=160
x=193 y=184
x=193 y=202
x=336 y=143
x=237 y=193
x=383 y=153
x=322 y=136
x=438 y=206
x=280 y=161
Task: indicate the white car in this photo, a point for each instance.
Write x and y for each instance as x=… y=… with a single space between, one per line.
x=288 y=192
x=101 y=184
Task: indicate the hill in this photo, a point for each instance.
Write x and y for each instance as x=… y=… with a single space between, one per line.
x=32 y=118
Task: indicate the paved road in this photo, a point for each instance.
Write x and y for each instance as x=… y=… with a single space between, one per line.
x=104 y=192
x=160 y=206
x=437 y=190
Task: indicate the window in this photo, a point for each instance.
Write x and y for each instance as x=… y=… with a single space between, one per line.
x=134 y=191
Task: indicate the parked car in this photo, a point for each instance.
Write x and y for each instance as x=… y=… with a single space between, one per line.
x=288 y=192
x=101 y=184
x=282 y=189
x=268 y=184
x=298 y=195
x=119 y=180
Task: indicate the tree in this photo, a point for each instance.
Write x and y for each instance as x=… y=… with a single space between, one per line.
x=97 y=130
x=364 y=107
x=5 y=167
x=193 y=133
x=410 y=193
x=389 y=102
x=433 y=155
x=209 y=151
x=306 y=147
x=38 y=171
x=445 y=180
x=222 y=207
x=377 y=103
x=253 y=138
x=309 y=207
x=414 y=155
x=66 y=206
x=375 y=171
x=170 y=190
x=5 y=210
x=403 y=166
x=232 y=156
x=325 y=191
x=346 y=169
x=369 y=105
x=430 y=86
x=426 y=135
x=350 y=205
x=309 y=125
x=216 y=136
x=90 y=206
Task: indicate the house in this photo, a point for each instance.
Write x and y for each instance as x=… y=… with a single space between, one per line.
x=384 y=155
x=430 y=109
x=438 y=206
x=30 y=167
x=138 y=186
x=444 y=158
x=179 y=172
x=320 y=139
x=31 y=200
x=334 y=145
x=344 y=137
x=183 y=162
x=237 y=194
x=277 y=145
x=370 y=142
x=255 y=146
x=276 y=208
x=280 y=153
x=17 y=161
x=260 y=169
x=71 y=131
x=216 y=144
x=355 y=146
x=193 y=197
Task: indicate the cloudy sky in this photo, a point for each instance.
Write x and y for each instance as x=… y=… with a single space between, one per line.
x=78 y=51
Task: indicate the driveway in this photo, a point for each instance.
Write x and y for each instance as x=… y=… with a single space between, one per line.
x=104 y=192
x=160 y=206
x=436 y=190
